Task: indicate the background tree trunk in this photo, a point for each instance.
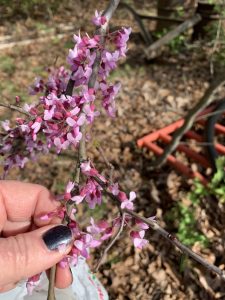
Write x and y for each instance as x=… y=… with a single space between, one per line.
x=182 y=9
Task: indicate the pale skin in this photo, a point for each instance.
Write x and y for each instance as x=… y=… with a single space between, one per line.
x=22 y=250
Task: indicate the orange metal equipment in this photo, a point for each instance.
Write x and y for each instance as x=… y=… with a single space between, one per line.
x=164 y=135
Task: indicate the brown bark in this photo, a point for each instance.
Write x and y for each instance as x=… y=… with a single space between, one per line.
x=152 y=51
x=172 y=9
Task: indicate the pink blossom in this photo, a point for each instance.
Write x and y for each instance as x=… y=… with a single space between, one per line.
x=32 y=282
x=90 y=112
x=64 y=263
x=114 y=189
x=128 y=203
x=121 y=40
x=143 y=225
x=69 y=187
x=97 y=228
x=5 y=125
x=37 y=87
x=73 y=54
x=92 y=193
x=17 y=98
x=88 y=94
x=110 y=59
x=61 y=144
x=74 y=136
x=75 y=111
x=48 y=114
x=87 y=169
x=99 y=20
x=83 y=245
x=28 y=107
x=109 y=94
x=107 y=234
x=37 y=125
x=77 y=199
x=138 y=238
x=20 y=161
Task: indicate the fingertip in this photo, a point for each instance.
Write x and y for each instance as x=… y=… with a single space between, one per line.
x=64 y=277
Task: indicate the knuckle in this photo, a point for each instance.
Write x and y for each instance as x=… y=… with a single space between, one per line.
x=21 y=254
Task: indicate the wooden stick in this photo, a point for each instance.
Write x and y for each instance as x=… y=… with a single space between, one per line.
x=145 y=33
x=150 y=52
x=190 y=118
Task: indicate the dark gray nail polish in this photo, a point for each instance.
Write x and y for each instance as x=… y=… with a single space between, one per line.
x=57 y=236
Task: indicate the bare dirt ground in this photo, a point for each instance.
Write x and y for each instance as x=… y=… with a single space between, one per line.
x=153 y=95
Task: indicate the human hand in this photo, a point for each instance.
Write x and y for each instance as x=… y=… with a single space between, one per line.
x=28 y=245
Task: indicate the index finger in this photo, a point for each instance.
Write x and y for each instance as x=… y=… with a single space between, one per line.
x=24 y=203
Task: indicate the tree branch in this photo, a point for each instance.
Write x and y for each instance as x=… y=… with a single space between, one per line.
x=15 y=108
x=111 y=243
x=151 y=50
x=108 y=164
x=82 y=145
x=155 y=226
x=145 y=33
x=190 y=118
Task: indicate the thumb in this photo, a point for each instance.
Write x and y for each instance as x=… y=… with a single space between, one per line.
x=27 y=254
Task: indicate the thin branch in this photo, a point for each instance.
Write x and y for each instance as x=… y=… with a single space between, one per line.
x=15 y=108
x=82 y=145
x=215 y=112
x=178 y=244
x=156 y=227
x=150 y=52
x=200 y=117
x=111 y=243
x=108 y=164
x=51 y=294
x=190 y=118
x=215 y=44
x=145 y=33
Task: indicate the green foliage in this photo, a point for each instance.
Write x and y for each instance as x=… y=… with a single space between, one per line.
x=187 y=227
x=215 y=34
x=216 y=187
x=7 y=65
x=175 y=44
x=15 y=8
x=98 y=212
x=180 y=11
x=187 y=231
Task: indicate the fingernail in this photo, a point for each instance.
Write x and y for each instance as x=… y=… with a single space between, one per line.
x=57 y=236
x=71 y=276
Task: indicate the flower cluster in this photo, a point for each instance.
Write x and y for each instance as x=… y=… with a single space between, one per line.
x=56 y=120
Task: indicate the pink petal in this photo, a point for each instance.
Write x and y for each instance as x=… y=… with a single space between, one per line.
x=71 y=122
x=79 y=244
x=77 y=199
x=81 y=120
x=70 y=186
x=75 y=111
x=132 y=196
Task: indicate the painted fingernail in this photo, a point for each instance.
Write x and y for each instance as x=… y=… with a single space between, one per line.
x=57 y=236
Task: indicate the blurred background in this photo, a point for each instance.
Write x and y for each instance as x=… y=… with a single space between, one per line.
x=158 y=88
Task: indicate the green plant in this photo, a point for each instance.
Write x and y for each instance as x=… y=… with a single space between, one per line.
x=175 y=44
x=25 y=8
x=180 y=11
x=187 y=227
x=7 y=65
x=215 y=188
